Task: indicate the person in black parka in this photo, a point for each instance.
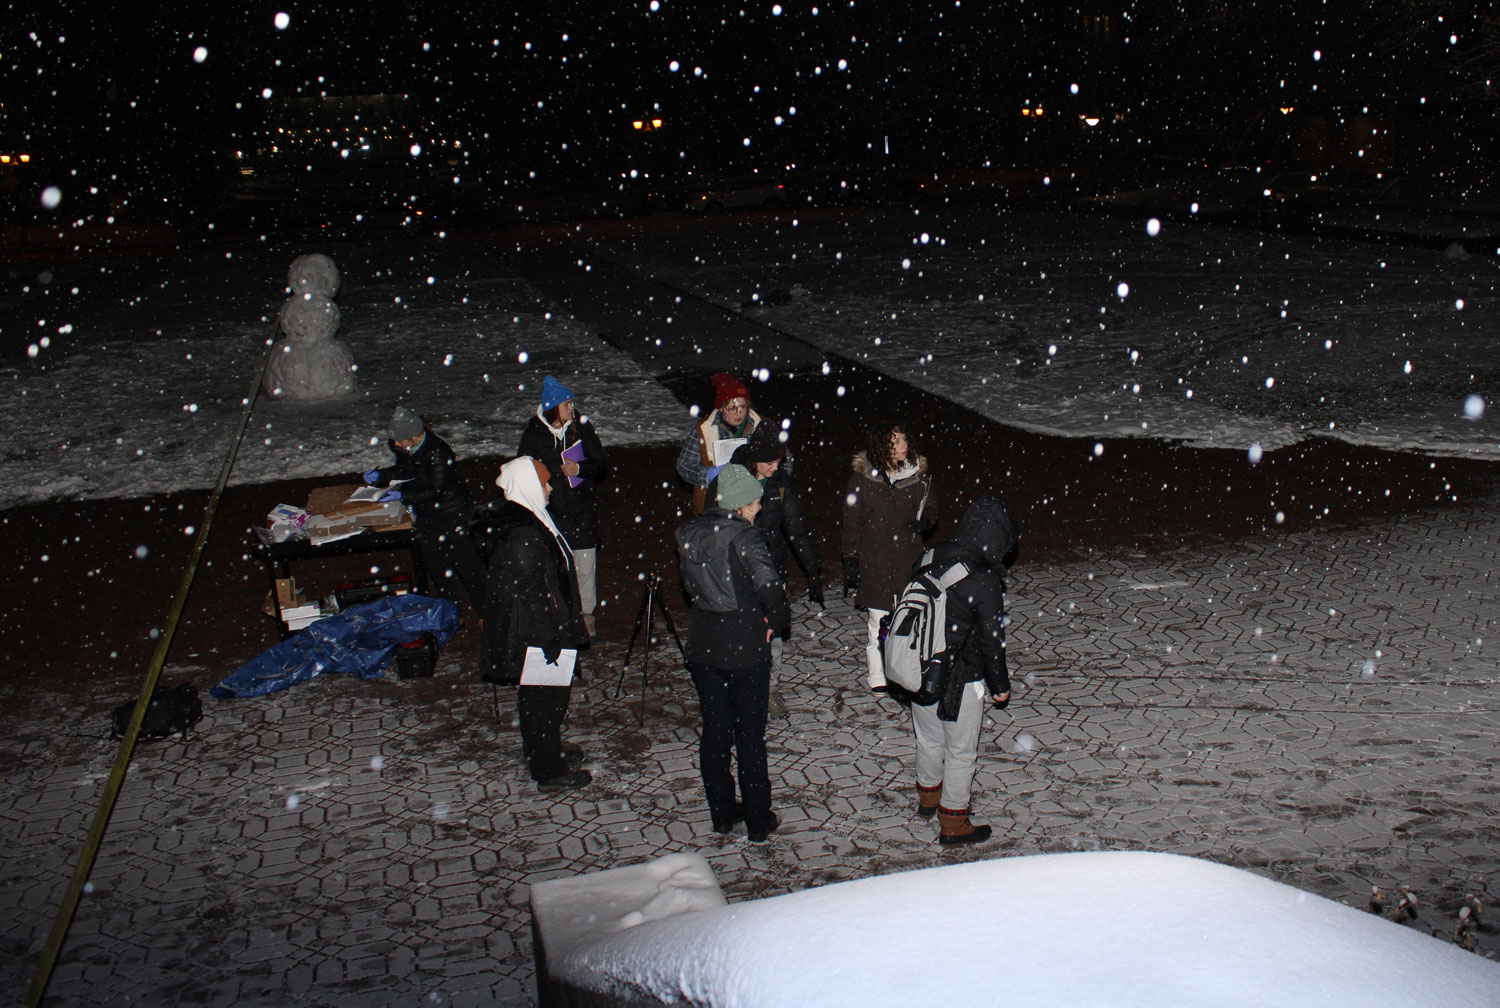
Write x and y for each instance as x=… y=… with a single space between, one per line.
x=554 y=430
x=532 y=603
x=440 y=504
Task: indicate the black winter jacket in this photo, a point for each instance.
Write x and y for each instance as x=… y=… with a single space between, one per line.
x=436 y=493
x=737 y=594
x=783 y=521
x=532 y=597
x=985 y=538
x=574 y=509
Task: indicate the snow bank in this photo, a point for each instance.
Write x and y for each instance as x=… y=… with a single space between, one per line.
x=1083 y=326
x=1101 y=928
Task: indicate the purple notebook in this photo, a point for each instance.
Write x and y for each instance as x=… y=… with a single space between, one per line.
x=574 y=453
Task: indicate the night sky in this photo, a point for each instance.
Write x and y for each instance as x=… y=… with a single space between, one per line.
x=549 y=88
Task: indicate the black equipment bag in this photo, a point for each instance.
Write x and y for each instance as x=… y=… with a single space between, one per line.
x=172 y=710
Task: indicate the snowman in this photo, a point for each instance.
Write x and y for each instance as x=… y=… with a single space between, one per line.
x=308 y=363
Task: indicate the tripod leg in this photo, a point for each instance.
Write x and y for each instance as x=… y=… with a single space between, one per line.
x=646 y=648
x=641 y=614
x=495 y=699
x=666 y=615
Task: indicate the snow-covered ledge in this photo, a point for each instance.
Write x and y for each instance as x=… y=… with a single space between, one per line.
x=1115 y=929
x=571 y=914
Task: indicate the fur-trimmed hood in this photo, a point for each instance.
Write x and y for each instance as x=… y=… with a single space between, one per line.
x=861 y=465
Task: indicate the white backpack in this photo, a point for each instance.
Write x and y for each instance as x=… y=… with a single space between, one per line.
x=915 y=632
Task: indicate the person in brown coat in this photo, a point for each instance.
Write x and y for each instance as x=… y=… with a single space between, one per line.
x=888 y=510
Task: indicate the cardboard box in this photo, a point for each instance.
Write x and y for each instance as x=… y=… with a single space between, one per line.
x=390 y=513
x=404 y=523
x=330 y=499
x=321 y=527
x=287 y=593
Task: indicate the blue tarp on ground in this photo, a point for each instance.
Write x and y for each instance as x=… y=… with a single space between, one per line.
x=358 y=641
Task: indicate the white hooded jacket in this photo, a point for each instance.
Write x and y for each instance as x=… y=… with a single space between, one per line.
x=519 y=481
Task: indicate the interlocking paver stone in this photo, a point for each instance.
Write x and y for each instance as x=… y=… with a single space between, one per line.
x=1320 y=708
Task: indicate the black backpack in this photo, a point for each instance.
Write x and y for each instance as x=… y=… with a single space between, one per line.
x=172 y=710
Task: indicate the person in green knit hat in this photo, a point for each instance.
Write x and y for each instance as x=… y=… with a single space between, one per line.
x=783 y=522
x=739 y=605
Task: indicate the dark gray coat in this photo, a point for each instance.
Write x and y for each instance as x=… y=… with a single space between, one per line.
x=737 y=593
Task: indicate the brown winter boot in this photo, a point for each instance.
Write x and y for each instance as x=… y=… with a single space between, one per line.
x=955 y=828
x=928 y=800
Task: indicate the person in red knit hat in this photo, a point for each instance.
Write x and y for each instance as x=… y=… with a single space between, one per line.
x=714 y=438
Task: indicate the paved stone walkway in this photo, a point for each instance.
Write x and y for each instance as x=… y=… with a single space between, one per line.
x=1321 y=708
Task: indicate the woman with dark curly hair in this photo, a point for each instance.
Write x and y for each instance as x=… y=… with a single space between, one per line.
x=888 y=510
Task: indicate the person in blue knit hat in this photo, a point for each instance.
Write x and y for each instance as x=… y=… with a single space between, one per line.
x=568 y=446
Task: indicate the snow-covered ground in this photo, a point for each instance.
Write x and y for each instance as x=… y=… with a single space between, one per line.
x=1062 y=323
x=1105 y=327
x=143 y=394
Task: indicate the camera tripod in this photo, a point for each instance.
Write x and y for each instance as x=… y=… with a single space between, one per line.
x=651 y=604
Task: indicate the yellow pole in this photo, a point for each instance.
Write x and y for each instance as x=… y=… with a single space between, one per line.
x=64 y=918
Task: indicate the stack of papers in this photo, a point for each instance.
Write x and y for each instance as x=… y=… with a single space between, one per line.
x=298 y=617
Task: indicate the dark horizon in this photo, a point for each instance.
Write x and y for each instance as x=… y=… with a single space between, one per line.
x=547 y=95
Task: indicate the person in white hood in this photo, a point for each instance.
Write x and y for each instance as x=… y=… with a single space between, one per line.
x=567 y=444
x=531 y=602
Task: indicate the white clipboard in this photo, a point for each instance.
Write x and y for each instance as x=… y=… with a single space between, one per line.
x=537 y=671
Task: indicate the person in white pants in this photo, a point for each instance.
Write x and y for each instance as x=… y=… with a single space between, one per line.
x=947 y=732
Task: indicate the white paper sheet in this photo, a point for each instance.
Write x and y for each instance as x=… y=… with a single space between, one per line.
x=536 y=671
x=724 y=449
x=373 y=493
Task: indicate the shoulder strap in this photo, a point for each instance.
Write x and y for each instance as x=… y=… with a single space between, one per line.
x=953 y=575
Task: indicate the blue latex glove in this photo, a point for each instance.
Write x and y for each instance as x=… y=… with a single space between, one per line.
x=372 y=476
x=390 y=495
